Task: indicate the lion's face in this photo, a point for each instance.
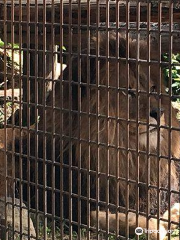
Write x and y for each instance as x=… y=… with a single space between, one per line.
x=144 y=103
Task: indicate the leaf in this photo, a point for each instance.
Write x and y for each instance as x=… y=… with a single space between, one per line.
x=176 y=79
x=64 y=48
x=178 y=75
x=174 y=71
x=175 y=84
x=177 y=67
x=1 y=43
x=178 y=57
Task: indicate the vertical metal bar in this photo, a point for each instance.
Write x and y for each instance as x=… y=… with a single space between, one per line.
x=28 y=112
x=88 y=109
x=36 y=121
x=13 y=109
x=148 y=116
x=79 y=118
x=158 y=119
x=70 y=118
x=137 y=107
x=61 y=120
x=20 y=115
x=170 y=112
x=12 y=77
x=128 y=121
x=5 y=114
x=117 y=116
x=44 y=122
x=108 y=116
x=53 y=56
x=97 y=113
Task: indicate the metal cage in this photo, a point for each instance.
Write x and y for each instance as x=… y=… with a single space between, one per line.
x=89 y=109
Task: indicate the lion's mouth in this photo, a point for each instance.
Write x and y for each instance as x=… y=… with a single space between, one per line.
x=151 y=130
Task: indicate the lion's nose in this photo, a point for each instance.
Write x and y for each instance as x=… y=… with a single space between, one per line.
x=154 y=112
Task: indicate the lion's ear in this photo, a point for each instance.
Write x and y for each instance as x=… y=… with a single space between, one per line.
x=113 y=40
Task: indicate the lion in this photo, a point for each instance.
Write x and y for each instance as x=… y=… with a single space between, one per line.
x=111 y=135
x=120 y=134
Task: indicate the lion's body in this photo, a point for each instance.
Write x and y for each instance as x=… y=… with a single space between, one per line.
x=117 y=156
x=106 y=138
x=102 y=109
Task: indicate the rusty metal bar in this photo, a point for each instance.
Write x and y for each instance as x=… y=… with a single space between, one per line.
x=170 y=114
x=5 y=117
x=20 y=121
x=148 y=106
x=137 y=109
x=61 y=124
x=127 y=129
x=44 y=126
x=53 y=56
x=117 y=126
x=70 y=120
x=97 y=120
x=108 y=120
x=89 y=120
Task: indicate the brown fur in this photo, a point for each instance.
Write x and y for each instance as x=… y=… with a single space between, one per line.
x=111 y=131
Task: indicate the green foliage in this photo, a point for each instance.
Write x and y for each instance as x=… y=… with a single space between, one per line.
x=175 y=233
x=141 y=237
x=1 y=44
x=9 y=45
x=175 y=74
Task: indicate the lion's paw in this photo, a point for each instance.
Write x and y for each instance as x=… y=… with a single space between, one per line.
x=175 y=213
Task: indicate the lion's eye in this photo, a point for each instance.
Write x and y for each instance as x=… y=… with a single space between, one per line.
x=153 y=89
